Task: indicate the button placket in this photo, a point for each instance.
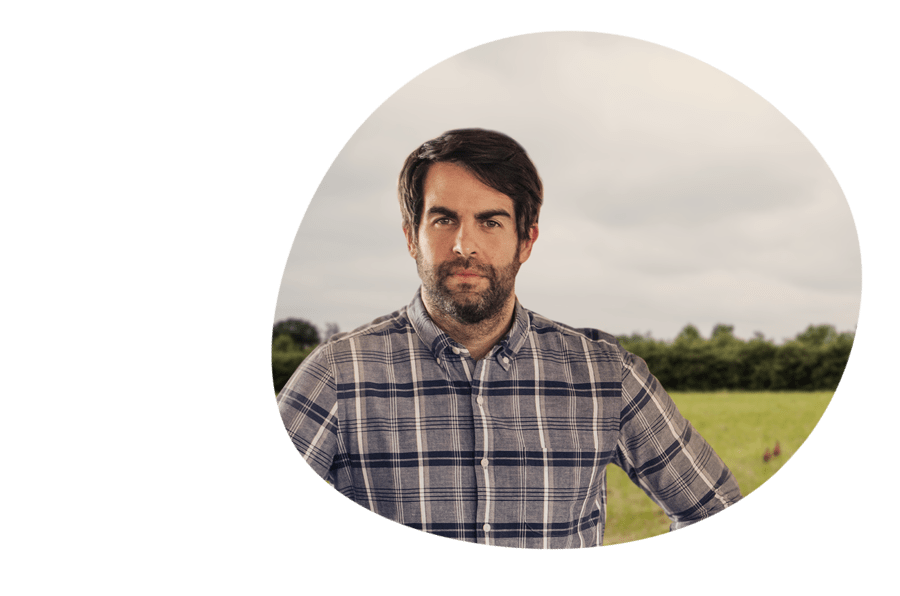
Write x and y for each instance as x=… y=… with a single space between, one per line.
x=482 y=433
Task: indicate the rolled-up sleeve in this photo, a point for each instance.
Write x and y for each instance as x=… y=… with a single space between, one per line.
x=665 y=456
x=308 y=405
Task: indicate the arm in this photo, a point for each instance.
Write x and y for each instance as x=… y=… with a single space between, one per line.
x=664 y=455
x=308 y=406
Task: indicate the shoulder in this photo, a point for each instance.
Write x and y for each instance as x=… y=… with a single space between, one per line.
x=595 y=339
x=392 y=324
x=329 y=358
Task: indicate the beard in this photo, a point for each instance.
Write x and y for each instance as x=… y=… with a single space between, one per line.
x=465 y=304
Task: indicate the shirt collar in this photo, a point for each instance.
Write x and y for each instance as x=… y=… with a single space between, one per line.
x=439 y=342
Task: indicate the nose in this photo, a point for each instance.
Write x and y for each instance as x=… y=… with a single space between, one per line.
x=464 y=244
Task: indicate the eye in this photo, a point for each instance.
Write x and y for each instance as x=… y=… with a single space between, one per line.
x=492 y=223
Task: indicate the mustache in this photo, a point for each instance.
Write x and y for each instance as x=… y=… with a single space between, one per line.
x=448 y=268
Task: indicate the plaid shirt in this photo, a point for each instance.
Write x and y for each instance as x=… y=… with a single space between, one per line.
x=508 y=450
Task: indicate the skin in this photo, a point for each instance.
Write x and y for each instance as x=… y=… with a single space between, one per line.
x=466 y=240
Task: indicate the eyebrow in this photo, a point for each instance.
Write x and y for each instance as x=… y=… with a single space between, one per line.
x=480 y=216
x=485 y=215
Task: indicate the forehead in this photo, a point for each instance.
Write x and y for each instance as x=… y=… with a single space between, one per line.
x=451 y=185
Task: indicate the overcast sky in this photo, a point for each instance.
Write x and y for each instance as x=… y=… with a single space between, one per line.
x=673 y=195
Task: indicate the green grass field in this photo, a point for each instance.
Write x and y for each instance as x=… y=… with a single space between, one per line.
x=739 y=426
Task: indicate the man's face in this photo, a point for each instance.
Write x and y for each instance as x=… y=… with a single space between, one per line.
x=468 y=252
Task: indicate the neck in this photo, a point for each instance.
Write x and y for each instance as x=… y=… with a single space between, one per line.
x=478 y=338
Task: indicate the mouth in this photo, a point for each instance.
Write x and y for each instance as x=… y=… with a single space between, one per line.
x=466 y=274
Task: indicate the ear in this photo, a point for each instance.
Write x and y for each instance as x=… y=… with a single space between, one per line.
x=410 y=243
x=526 y=245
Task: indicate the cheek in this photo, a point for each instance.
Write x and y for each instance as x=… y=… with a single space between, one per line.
x=510 y=251
x=429 y=246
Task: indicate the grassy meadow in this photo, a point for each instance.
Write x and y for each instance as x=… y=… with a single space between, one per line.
x=740 y=427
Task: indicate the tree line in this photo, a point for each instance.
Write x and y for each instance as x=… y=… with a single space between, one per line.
x=292 y=341
x=812 y=361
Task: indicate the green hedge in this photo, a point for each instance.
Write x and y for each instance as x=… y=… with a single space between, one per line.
x=813 y=361
x=286 y=357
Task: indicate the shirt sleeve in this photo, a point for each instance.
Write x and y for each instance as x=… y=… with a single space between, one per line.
x=308 y=406
x=665 y=456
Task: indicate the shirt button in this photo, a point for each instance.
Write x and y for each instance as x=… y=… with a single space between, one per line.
x=505 y=360
x=484 y=463
x=486 y=527
x=480 y=400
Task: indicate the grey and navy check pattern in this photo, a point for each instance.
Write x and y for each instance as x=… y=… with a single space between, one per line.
x=509 y=450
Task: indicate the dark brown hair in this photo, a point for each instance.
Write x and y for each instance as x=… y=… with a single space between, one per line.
x=494 y=158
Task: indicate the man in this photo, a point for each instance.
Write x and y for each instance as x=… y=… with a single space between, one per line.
x=466 y=415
